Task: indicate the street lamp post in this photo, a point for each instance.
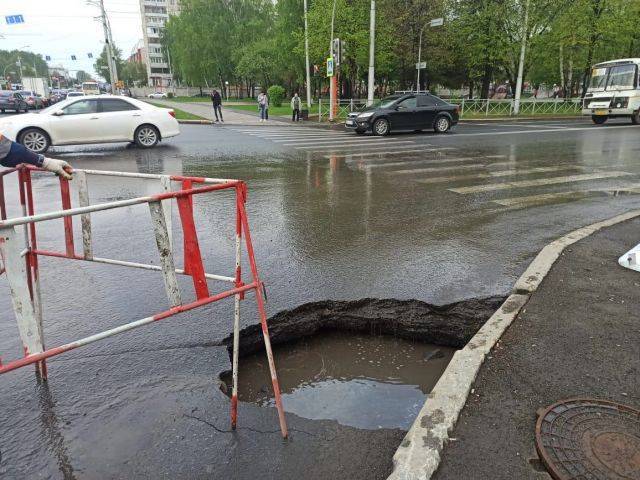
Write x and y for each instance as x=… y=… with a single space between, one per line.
x=372 y=43
x=523 y=47
x=436 y=22
x=306 y=55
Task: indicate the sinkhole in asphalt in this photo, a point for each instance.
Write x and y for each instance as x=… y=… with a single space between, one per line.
x=359 y=380
x=367 y=364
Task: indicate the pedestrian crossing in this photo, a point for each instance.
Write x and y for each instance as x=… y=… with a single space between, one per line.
x=496 y=179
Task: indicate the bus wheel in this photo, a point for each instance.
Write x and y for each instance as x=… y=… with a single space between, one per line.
x=635 y=117
x=598 y=119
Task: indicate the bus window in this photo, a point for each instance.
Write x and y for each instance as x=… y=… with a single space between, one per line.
x=621 y=77
x=598 y=78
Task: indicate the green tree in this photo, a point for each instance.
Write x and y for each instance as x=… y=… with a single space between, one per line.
x=101 y=64
x=82 y=76
x=133 y=74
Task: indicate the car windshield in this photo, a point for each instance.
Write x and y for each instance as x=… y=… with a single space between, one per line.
x=621 y=77
x=385 y=102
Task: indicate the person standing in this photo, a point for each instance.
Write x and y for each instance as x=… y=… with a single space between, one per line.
x=263 y=106
x=216 y=100
x=295 y=108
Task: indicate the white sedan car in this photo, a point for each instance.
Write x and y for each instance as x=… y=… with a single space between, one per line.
x=157 y=95
x=92 y=119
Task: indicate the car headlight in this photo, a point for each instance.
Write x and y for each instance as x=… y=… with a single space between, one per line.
x=364 y=115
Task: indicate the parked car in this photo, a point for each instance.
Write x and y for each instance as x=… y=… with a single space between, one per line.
x=413 y=111
x=75 y=94
x=157 y=95
x=10 y=100
x=92 y=119
x=34 y=101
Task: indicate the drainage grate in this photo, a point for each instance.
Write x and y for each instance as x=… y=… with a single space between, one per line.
x=589 y=439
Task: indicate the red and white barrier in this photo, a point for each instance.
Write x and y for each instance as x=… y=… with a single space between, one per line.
x=24 y=281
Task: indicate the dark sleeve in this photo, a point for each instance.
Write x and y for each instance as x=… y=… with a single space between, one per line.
x=19 y=154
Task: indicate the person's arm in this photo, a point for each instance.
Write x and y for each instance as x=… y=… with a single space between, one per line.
x=13 y=154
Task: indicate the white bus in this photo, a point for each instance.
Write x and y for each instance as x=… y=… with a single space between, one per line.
x=614 y=91
x=90 y=88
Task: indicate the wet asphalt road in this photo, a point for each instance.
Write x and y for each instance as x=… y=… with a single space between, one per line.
x=333 y=216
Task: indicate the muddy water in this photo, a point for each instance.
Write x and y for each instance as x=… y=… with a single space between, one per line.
x=362 y=381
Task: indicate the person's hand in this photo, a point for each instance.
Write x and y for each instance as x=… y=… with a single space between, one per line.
x=59 y=167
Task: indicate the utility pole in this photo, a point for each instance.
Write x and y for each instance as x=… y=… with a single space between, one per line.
x=113 y=72
x=523 y=47
x=419 y=60
x=333 y=85
x=372 y=46
x=306 y=55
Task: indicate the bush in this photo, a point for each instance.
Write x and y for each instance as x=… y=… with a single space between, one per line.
x=170 y=95
x=276 y=95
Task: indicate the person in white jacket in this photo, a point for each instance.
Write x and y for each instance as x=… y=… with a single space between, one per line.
x=263 y=106
x=295 y=108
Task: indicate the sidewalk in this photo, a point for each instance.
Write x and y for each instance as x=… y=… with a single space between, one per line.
x=231 y=117
x=577 y=336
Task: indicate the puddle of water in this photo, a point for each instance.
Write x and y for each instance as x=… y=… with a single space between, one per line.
x=362 y=381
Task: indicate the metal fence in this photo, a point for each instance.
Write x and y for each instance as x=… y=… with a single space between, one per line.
x=476 y=107
x=20 y=257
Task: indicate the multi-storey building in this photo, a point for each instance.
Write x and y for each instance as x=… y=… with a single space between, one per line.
x=155 y=14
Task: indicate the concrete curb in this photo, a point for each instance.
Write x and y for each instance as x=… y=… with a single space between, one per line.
x=196 y=122
x=516 y=119
x=418 y=456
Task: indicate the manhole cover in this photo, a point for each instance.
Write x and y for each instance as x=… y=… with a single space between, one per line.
x=589 y=439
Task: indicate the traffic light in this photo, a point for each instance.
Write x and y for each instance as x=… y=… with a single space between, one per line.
x=73 y=57
x=47 y=58
x=90 y=55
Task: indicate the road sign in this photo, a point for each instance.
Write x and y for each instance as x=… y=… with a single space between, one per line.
x=436 y=22
x=421 y=65
x=330 y=67
x=14 y=19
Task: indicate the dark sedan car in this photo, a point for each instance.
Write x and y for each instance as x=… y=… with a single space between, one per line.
x=412 y=111
x=10 y=100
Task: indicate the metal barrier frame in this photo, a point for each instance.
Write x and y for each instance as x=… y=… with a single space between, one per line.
x=23 y=277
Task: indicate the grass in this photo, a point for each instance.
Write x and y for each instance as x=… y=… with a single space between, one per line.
x=180 y=114
x=284 y=110
x=208 y=100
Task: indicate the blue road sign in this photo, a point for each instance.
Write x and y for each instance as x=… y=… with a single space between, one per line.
x=13 y=19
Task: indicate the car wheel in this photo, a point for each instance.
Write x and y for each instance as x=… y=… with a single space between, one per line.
x=2 y=110
x=442 y=124
x=147 y=136
x=35 y=140
x=599 y=119
x=635 y=117
x=381 y=127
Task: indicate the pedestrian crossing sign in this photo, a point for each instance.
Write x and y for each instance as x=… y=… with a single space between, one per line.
x=330 y=67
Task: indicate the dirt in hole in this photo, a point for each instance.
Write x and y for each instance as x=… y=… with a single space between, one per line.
x=368 y=363
x=359 y=380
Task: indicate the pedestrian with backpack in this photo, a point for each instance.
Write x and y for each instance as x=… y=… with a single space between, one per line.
x=295 y=107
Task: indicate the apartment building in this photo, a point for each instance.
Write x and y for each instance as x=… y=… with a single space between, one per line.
x=155 y=14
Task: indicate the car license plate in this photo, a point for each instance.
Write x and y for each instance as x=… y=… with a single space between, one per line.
x=350 y=122
x=602 y=112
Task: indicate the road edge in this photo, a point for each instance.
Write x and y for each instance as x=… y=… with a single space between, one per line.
x=418 y=456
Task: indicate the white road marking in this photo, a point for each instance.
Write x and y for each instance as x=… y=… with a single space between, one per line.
x=471 y=166
x=351 y=145
x=404 y=150
x=551 y=130
x=499 y=173
x=531 y=199
x=434 y=162
x=324 y=141
x=538 y=182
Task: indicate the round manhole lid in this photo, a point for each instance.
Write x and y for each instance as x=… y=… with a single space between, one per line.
x=588 y=438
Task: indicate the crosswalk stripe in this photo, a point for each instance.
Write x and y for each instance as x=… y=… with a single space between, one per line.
x=305 y=134
x=529 y=199
x=359 y=144
x=538 y=182
x=499 y=173
x=330 y=140
x=387 y=152
x=471 y=166
x=433 y=161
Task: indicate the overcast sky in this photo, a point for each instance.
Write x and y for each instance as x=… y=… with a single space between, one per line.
x=62 y=28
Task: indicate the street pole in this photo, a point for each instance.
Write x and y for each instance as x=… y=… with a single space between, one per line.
x=107 y=40
x=523 y=47
x=372 y=46
x=306 y=55
x=419 y=58
x=333 y=81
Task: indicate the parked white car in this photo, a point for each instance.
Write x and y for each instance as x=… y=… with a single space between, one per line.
x=92 y=119
x=157 y=95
